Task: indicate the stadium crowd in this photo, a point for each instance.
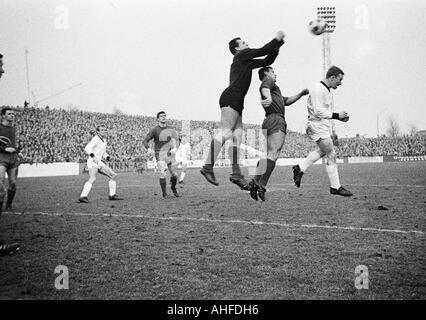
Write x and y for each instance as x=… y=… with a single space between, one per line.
x=56 y=135
x=406 y=145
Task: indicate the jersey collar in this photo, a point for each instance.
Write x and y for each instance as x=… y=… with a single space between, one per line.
x=328 y=88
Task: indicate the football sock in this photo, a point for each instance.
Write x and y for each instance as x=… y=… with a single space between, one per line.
x=215 y=147
x=10 y=196
x=86 y=189
x=163 y=185
x=333 y=175
x=313 y=157
x=236 y=169
x=260 y=169
x=234 y=152
x=173 y=181
x=269 y=168
x=182 y=176
x=112 y=186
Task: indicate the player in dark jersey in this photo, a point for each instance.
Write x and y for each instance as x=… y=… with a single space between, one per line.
x=8 y=163
x=274 y=127
x=165 y=142
x=232 y=104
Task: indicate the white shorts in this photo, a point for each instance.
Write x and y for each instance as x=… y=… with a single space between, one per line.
x=318 y=130
x=92 y=164
x=181 y=159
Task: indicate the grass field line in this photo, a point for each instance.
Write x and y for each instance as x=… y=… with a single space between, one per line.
x=80 y=186
x=219 y=221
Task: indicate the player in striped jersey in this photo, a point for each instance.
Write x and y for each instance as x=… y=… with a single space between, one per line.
x=96 y=149
x=318 y=129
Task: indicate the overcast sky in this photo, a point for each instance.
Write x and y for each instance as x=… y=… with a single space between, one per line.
x=144 y=56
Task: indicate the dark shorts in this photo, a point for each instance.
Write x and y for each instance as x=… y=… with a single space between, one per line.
x=235 y=103
x=273 y=123
x=9 y=160
x=167 y=157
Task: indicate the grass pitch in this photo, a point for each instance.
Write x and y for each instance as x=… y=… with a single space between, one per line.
x=218 y=243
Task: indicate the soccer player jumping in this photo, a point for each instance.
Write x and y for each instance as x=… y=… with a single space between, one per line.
x=96 y=149
x=232 y=104
x=318 y=129
x=274 y=127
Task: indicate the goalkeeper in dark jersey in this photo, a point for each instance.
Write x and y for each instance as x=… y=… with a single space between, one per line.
x=274 y=127
x=232 y=104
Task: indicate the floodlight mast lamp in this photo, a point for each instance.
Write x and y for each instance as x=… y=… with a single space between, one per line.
x=329 y=15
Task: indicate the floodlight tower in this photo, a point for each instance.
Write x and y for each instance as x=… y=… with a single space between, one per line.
x=329 y=15
x=28 y=75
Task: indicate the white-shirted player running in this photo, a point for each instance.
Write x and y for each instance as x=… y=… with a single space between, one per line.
x=183 y=154
x=318 y=129
x=96 y=149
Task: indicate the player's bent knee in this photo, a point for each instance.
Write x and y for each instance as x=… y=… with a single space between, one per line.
x=331 y=157
x=274 y=157
x=238 y=134
x=223 y=135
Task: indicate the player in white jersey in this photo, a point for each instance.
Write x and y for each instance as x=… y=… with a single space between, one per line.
x=182 y=156
x=318 y=129
x=154 y=162
x=96 y=149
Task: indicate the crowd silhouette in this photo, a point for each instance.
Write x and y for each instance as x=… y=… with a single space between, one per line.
x=46 y=135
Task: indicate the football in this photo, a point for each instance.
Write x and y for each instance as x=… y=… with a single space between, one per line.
x=317 y=26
